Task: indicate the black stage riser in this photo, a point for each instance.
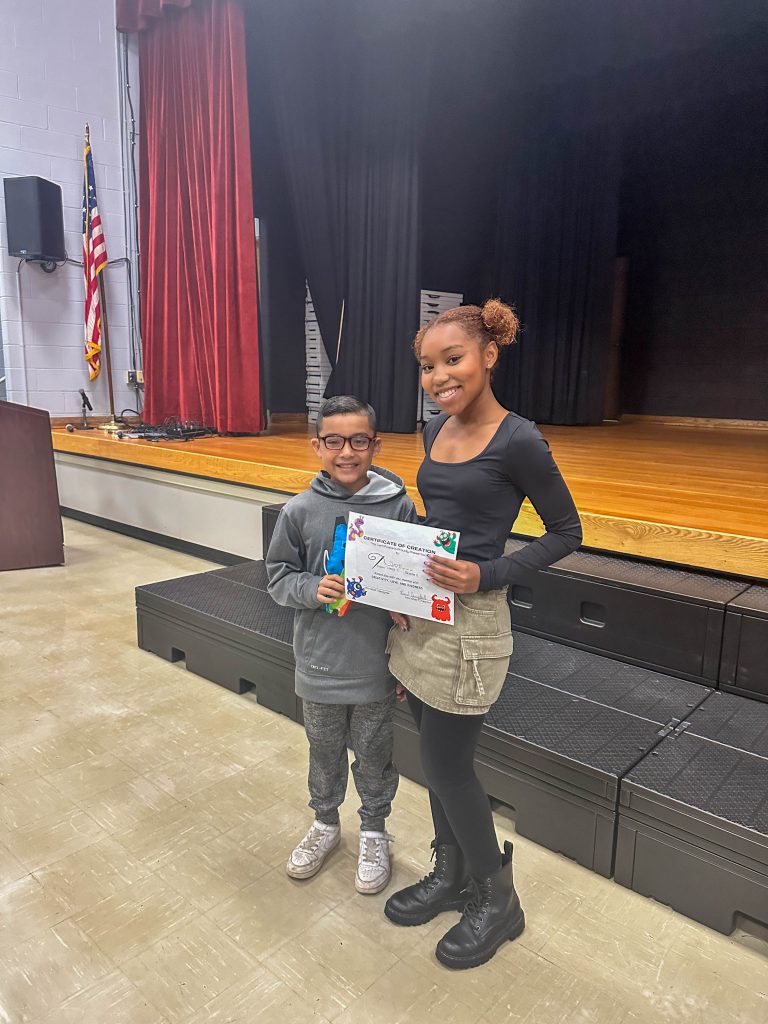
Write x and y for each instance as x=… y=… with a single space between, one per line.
x=693 y=829
x=745 y=645
x=269 y=514
x=662 y=618
x=567 y=746
x=655 y=616
x=703 y=883
x=542 y=811
x=239 y=669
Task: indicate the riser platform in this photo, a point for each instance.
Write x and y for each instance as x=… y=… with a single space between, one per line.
x=694 y=625
x=693 y=818
x=565 y=746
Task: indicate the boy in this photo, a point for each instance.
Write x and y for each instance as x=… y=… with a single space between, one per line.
x=342 y=673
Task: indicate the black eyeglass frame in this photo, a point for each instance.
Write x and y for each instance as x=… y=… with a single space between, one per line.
x=370 y=441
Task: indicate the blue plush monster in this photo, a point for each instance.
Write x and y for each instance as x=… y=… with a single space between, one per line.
x=335 y=565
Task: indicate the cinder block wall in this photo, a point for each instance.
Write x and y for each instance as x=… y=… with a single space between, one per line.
x=59 y=69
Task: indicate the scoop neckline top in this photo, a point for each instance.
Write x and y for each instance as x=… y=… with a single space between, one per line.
x=464 y=462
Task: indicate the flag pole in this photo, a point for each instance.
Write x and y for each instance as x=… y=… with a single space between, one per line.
x=113 y=425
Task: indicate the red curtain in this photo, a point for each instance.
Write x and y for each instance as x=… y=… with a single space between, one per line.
x=198 y=258
x=135 y=15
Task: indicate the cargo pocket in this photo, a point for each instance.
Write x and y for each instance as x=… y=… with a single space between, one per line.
x=477 y=604
x=482 y=668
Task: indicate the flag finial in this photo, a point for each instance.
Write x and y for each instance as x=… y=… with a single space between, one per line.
x=87 y=132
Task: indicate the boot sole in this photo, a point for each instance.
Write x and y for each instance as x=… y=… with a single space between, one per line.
x=462 y=964
x=410 y=922
x=293 y=872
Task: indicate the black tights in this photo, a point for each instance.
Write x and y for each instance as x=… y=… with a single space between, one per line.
x=461 y=810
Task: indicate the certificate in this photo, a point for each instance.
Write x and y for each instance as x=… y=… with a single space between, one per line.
x=384 y=566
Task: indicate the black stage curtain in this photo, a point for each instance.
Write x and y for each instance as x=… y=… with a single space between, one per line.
x=580 y=75
x=555 y=257
x=347 y=88
x=281 y=273
x=308 y=68
x=383 y=238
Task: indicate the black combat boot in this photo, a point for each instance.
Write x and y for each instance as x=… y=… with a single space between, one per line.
x=442 y=889
x=492 y=916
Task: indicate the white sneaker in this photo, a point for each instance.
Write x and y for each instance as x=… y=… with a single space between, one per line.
x=309 y=856
x=373 y=867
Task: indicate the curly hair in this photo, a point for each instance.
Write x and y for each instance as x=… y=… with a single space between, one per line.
x=495 y=321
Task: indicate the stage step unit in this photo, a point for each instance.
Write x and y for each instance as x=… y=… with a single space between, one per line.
x=269 y=514
x=228 y=630
x=744 y=666
x=693 y=816
x=667 y=619
x=584 y=748
x=567 y=726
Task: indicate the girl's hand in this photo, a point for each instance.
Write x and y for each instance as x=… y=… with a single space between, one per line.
x=400 y=693
x=330 y=589
x=402 y=621
x=459 y=576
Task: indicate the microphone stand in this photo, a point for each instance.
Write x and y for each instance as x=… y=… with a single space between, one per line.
x=85 y=425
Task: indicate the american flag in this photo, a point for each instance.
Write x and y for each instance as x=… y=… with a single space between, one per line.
x=94 y=261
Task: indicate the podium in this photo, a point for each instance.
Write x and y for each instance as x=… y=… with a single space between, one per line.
x=30 y=522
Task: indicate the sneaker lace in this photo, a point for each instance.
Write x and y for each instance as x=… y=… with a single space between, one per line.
x=373 y=848
x=311 y=841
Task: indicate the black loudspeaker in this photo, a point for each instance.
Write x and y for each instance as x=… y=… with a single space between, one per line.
x=34 y=218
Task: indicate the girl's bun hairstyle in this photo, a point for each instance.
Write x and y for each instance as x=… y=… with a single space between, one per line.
x=495 y=321
x=500 y=322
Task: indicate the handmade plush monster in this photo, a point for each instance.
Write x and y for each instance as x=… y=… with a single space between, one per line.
x=335 y=565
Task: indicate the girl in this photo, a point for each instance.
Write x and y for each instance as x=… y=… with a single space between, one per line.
x=480 y=462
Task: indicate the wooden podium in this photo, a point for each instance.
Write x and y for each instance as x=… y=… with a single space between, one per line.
x=30 y=521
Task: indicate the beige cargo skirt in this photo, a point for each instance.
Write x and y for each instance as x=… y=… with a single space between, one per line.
x=460 y=667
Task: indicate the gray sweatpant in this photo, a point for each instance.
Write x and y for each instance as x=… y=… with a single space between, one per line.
x=367 y=729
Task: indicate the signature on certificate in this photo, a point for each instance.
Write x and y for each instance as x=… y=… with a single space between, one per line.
x=378 y=560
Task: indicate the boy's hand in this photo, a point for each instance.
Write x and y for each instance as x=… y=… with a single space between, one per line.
x=330 y=589
x=400 y=693
x=400 y=620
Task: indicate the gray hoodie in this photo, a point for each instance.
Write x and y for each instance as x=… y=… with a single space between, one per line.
x=339 y=659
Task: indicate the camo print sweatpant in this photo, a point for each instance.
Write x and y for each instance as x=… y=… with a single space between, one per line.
x=367 y=730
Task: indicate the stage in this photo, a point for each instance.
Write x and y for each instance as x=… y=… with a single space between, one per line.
x=682 y=492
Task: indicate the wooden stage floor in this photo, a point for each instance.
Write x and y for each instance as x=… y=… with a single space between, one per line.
x=690 y=494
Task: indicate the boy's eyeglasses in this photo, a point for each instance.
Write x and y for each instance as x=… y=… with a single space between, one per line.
x=358 y=442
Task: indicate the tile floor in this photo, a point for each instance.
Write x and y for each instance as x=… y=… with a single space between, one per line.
x=145 y=817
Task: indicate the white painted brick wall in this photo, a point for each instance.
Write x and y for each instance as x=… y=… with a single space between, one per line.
x=59 y=69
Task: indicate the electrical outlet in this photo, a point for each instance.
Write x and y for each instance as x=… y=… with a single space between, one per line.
x=134 y=378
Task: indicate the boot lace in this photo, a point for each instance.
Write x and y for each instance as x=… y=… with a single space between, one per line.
x=430 y=880
x=478 y=903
